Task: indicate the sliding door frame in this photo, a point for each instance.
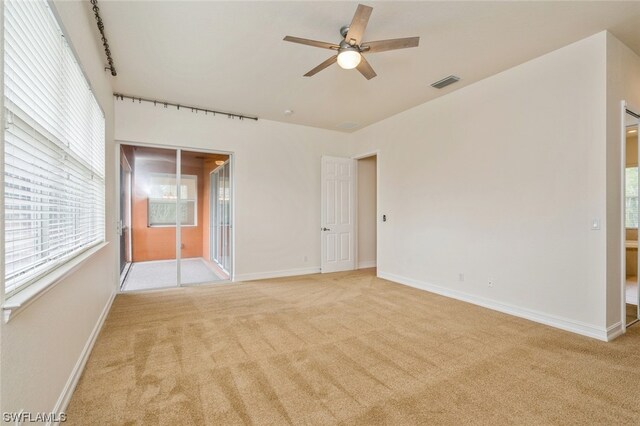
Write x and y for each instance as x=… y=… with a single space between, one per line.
x=116 y=194
x=214 y=213
x=121 y=224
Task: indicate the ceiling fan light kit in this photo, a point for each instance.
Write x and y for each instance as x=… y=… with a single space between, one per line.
x=350 y=49
x=349 y=57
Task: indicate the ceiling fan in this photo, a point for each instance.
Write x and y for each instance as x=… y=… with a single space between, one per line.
x=352 y=47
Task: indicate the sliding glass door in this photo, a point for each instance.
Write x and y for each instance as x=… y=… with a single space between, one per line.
x=221 y=217
x=632 y=219
x=196 y=226
x=180 y=219
x=152 y=200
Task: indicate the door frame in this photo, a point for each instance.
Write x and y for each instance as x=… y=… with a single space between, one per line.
x=375 y=153
x=116 y=194
x=625 y=107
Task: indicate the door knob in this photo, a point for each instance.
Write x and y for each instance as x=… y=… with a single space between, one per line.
x=325 y=229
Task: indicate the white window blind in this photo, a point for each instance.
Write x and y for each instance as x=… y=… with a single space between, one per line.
x=54 y=148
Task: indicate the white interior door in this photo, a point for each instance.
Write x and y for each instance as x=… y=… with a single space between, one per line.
x=337 y=227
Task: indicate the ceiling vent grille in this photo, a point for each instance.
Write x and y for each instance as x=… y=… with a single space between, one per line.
x=445 y=82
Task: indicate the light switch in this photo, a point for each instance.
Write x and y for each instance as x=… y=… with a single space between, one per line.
x=595 y=224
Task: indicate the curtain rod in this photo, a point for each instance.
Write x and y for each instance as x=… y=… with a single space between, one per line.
x=195 y=109
x=105 y=43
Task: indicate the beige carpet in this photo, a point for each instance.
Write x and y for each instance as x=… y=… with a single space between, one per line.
x=345 y=348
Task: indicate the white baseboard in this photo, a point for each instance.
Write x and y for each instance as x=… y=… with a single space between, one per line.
x=70 y=386
x=614 y=331
x=276 y=274
x=367 y=264
x=530 y=314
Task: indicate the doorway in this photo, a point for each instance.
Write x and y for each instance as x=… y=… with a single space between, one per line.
x=367 y=171
x=172 y=228
x=630 y=293
x=349 y=213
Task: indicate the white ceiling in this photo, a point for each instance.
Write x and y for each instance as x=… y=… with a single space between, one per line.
x=230 y=55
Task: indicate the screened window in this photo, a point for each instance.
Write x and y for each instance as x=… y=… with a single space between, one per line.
x=54 y=144
x=163 y=194
x=631 y=197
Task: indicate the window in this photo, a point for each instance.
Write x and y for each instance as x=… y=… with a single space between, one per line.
x=54 y=144
x=163 y=196
x=631 y=197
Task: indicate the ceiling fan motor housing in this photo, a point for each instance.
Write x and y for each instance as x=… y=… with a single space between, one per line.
x=344 y=47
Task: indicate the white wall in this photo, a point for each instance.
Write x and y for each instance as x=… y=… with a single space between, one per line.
x=277 y=179
x=623 y=83
x=500 y=181
x=43 y=343
x=367 y=212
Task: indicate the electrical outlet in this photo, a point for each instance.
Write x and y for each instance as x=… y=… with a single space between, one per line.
x=490 y=283
x=460 y=277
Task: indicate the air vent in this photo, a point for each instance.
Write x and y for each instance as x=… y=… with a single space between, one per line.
x=445 y=82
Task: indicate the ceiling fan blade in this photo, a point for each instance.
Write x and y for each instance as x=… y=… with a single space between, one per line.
x=358 y=25
x=314 y=43
x=332 y=60
x=365 y=69
x=393 y=44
